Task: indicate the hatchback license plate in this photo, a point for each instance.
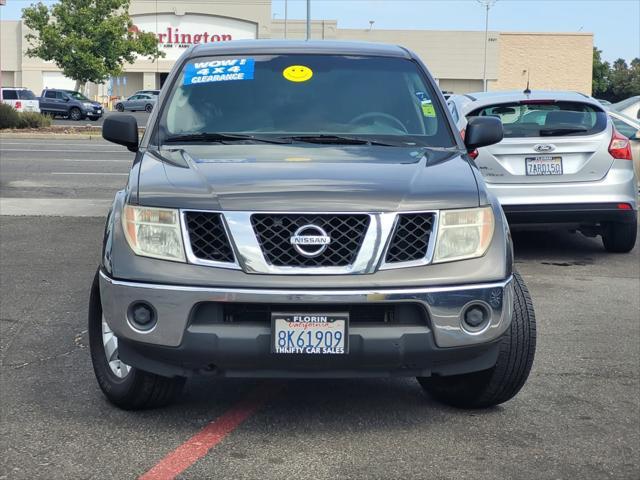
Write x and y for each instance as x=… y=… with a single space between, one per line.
x=543 y=165
x=310 y=333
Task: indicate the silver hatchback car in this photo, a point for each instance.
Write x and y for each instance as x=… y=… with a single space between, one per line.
x=561 y=161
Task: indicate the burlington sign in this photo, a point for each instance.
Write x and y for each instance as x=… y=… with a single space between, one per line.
x=178 y=32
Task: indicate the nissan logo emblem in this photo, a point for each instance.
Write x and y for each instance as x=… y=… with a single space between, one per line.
x=310 y=241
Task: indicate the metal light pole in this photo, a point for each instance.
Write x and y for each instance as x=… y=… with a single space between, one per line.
x=285 y=18
x=487 y=4
x=308 y=19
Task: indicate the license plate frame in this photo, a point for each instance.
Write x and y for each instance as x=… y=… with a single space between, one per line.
x=301 y=327
x=553 y=161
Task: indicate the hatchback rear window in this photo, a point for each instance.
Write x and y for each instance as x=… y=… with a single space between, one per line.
x=26 y=95
x=546 y=119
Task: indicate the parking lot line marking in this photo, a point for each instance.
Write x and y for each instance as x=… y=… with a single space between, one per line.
x=211 y=435
x=87 y=173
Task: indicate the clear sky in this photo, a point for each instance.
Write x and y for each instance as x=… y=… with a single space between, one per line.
x=614 y=23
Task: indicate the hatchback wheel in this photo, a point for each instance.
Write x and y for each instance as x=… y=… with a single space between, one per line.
x=75 y=114
x=619 y=237
x=125 y=386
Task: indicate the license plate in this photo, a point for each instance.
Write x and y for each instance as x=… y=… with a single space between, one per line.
x=543 y=165
x=310 y=333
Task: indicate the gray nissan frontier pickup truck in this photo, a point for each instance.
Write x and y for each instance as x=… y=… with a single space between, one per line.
x=306 y=209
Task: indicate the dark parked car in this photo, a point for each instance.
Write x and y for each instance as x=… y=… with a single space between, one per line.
x=70 y=104
x=307 y=209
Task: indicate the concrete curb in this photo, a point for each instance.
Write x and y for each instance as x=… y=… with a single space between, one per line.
x=54 y=135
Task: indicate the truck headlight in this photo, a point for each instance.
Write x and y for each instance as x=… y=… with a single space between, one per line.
x=464 y=233
x=154 y=232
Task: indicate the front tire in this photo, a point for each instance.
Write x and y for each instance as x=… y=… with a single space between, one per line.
x=619 y=237
x=120 y=107
x=502 y=382
x=125 y=386
x=75 y=114
x=148 y=108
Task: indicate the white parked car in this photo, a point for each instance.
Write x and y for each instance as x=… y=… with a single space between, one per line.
x=561 y=161
x=22 y=99
x=629 y=107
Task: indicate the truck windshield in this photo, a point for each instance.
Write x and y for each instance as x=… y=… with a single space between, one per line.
x=78 y=96
x=302 y=96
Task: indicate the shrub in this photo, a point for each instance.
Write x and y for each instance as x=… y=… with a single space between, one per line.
x=33 y=120
x=8 y=116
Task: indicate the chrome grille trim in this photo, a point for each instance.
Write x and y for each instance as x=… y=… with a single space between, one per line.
x=250 y=258
x=186 y=240
x=426 y=260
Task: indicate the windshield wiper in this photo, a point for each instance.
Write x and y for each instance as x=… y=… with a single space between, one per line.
x=215 y=137
x=551 y=132
x=342 y=140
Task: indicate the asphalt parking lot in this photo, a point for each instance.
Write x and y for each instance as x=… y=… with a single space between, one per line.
x=578 y=417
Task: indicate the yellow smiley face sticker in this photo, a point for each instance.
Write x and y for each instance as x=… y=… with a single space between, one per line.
x=297 y=73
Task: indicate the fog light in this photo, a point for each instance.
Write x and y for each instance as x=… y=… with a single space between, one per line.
x=476 y=317
x=142 y=316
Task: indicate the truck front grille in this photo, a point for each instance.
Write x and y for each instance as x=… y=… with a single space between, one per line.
x=410 y=238
x=208 y=237
x=274 y=232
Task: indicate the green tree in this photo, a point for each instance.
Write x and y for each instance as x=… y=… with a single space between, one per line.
x=635 y=76
x=89 y=40
x=600 y=77
x=620 y=80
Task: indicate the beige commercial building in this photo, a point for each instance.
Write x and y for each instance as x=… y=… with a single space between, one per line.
x=556 y=61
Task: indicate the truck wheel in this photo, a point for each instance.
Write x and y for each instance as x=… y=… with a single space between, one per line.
x=502 y=382
x=119 y=107
x=619 y=237
x=75 y=114
x=125 y=386
x=148 y=108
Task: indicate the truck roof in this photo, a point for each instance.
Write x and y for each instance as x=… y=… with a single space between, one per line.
x=245 y=47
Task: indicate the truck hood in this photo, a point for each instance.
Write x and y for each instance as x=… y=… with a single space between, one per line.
x=265 y=177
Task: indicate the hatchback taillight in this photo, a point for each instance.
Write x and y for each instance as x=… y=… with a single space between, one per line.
x=620 y=147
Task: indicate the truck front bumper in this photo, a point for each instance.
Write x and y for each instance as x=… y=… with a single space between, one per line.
x=188 y=337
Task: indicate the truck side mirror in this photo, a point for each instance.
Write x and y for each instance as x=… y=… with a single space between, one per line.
x=482 y=131
x=123 y=130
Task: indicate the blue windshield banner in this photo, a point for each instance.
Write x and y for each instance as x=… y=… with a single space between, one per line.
x=219 y=71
